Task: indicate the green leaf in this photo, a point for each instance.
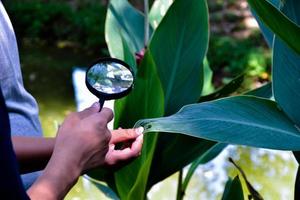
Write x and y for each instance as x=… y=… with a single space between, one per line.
x=204 y=158
x=145 y=100
x=158 y=11
x=178 y=46
x=243 y=120
x=253 y=193
x=178 y=58
x=226 y=90
x=279 y=23
x=267 y=33
x=129 y=56
x=286 y=68
x=233 y=190
x=147 y=96
x=123 y=19
x=264 y=91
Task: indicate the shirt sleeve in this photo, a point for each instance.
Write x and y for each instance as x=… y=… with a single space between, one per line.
x=21 y=106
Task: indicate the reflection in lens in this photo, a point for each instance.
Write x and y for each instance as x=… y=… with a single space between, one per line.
x=110 y=77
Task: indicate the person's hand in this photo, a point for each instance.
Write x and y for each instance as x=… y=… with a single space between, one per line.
x=83 y=142
x=132 y=140
x=96 y=144
x=83 y=138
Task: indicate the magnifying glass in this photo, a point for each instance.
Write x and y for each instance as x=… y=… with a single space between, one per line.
x=109 y=78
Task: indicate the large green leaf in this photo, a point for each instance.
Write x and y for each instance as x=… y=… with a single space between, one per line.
x=129 y=56
x=279 y=23
x=233 y=190
x=179 y=57
x=145 y=100
x=267 y=33
x=123 y=19
x=286 y=68
x=243 y=120
x=178 y=46
x=264 y=91
x=164 y=164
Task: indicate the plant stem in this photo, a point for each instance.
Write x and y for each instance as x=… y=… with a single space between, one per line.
x=180 y=193
x=146 y=23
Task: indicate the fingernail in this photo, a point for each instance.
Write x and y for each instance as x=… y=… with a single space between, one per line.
x=139 y=130
x=96 y=104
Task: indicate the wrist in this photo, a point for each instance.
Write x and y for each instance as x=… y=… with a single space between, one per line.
x=57 y=179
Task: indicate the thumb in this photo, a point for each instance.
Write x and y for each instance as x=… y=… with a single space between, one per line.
x=90 y=110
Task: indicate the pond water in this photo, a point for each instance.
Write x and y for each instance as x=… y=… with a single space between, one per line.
x=272 y=173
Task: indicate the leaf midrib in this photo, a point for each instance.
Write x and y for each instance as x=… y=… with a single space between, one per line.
x=241 y=123
x=176 y=64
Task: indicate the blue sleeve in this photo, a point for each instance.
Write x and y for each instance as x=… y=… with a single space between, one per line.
x=11 y=186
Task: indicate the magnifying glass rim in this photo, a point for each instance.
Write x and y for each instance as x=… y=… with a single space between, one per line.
x=105 y=95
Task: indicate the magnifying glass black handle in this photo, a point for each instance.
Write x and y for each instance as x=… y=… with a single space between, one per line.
x=101 y=102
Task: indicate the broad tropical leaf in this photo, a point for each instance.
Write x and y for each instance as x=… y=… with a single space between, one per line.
x=243 y=120
x=279 y=23
x=179 y=57
x=267 y=33
x=123 y=19
x=286 y=68
x=146 y=99
x=129 y=56
x=178 y=46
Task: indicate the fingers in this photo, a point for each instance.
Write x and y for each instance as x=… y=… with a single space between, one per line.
x=107 y=114
x=89 y=111
x=94 y=109
x=114 y=156
x=122 y=135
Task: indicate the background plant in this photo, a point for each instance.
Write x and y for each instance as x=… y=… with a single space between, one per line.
x=61 y=23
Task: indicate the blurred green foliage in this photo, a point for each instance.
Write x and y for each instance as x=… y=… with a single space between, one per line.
x=230 y=56
x=53 y=21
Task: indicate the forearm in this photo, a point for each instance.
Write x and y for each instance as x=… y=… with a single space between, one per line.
x=33 y=153
x=59 y=176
